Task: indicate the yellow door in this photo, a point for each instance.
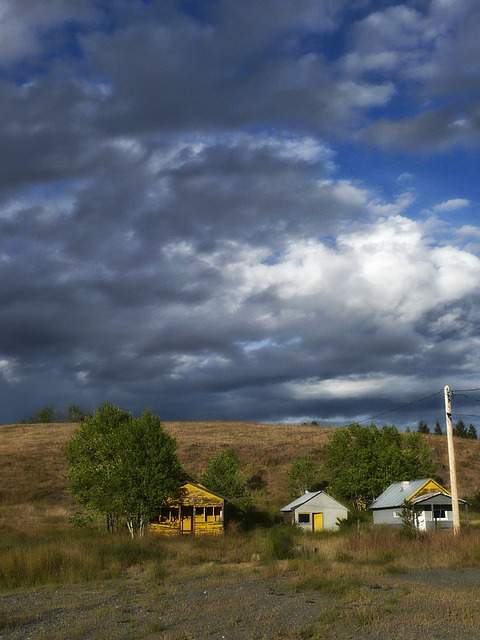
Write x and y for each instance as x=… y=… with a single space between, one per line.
x=317 y=521
x=187 y=517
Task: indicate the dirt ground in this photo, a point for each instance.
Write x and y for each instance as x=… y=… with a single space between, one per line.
x=229 y=606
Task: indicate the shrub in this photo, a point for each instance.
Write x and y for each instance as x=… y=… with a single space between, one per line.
x=280 y=542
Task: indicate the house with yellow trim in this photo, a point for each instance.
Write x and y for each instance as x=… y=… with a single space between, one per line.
x=430 y=501
x=196 y=511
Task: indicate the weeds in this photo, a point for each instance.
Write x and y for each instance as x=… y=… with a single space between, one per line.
x=70 y=558
x=280 y=542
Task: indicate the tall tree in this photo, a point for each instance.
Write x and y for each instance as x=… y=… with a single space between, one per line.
x=460 y=430
x=122 y=466
x=45 y=414
x=423 y=427
x=472 y=432
x=302 y=475
x=75 y=413
x=361 y=462
x=224 y=474
x=438 y=428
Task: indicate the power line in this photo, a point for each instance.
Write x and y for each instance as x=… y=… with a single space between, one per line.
x=463 y=390
x=464 y=395
x=399 y=407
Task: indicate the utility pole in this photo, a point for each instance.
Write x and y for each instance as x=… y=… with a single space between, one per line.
x=451 y=460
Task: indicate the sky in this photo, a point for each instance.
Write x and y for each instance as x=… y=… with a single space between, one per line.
x=240 y=210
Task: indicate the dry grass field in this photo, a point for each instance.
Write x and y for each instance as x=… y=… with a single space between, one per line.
x=59 y=582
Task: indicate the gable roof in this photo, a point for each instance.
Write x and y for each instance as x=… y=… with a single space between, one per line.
x=201 y=488
x=306 y=497
x=396 y=494
x=433 y=494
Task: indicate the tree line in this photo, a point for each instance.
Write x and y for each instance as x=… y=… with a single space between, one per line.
x=459 y=429
x=47 y=414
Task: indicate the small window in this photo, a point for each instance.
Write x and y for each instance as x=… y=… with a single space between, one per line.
x=440 y=513
x=303 y=518
x=397 y=514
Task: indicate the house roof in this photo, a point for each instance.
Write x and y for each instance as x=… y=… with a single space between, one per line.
x=424 y=497
x=202 y=487
x=306 y=497
x=396 y=494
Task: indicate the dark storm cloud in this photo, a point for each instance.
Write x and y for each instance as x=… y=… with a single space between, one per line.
x=175 y=233
x=238 y=67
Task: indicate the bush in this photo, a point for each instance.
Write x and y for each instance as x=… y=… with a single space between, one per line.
x=280 y=542
x=356 y=518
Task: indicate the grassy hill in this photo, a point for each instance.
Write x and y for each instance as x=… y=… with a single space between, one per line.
x=33 y=470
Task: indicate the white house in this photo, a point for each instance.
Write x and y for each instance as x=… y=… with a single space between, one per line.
x=431 y=504
x=315 y=511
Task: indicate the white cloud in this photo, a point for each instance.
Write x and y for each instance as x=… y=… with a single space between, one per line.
x=385 y=270
x=354 y=386
x=469 y=231
x=399 y=206
x=291 y=147
x=366 y=95
x=356 y=62
x=8 y=370
x=451 y=205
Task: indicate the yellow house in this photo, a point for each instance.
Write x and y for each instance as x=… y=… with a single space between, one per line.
x=196 y=511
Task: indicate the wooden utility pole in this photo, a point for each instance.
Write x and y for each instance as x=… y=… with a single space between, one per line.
x=451 y=460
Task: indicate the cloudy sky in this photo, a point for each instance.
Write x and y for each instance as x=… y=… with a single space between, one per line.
x=240 y=210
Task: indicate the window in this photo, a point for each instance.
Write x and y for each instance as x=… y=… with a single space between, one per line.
x=168 y=515
x=397 y=514
x=440 y=512
x=303 y=517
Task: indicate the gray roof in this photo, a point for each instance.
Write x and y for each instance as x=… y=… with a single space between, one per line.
x=397 y=493
x=306 y=497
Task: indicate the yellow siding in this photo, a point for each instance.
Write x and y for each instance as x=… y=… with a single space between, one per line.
x=163 y=529
x=178 y=517
x=209 y=528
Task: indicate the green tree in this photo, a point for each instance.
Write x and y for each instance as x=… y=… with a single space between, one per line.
x=472 y=432
x=302 y=475
x=409 y=523
x=438 y=429
x=74 y=413
x=45 y=414
x=361 y=462
x=224 y=474
x=423 y=427
x=123 y=466
x=460 y=430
